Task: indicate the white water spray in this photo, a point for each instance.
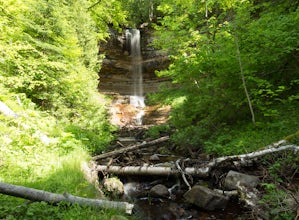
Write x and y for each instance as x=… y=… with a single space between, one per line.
x=137 y=98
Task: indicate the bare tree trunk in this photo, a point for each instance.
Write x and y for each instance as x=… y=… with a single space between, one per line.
x=40 y=195
x=243 y=80
x=151 y=10
x=131 y=148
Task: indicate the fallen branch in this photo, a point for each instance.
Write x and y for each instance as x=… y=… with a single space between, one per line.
x=53 y=198
x=131 y=148
x=182 y=173
x=245 y=158
x=203 y=171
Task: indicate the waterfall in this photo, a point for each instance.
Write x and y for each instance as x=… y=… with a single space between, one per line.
x=137 y=98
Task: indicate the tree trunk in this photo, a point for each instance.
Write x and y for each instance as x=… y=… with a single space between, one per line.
x=243 y=80
x=53 y=198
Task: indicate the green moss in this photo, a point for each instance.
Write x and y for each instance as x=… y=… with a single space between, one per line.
x=293 y=138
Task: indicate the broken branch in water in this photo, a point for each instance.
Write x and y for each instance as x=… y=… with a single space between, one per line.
x=54 y=198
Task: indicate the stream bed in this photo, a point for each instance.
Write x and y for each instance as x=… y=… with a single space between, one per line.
x=150 y=207
x=137 y=189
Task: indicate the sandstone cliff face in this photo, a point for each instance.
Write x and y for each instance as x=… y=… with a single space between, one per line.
x=115 y=74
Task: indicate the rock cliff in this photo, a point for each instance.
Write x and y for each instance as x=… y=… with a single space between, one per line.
x=115 y=74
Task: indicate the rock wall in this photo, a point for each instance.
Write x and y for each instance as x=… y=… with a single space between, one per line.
x=115 y=74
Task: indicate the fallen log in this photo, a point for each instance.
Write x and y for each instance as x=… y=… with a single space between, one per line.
x=54 y=198
x=138 y=170
x=130 y=148
x=202 y=171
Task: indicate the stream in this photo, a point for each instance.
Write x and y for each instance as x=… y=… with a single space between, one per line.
x=154 y=197
x=149 y=207
x=138 y=189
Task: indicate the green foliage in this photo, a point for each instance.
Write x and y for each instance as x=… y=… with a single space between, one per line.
x=140 y=11
x=41 y=210
x=95 y=141
x=275 y=204
x=47 y=55
x=293 y=138
x=107 y=13
x=48 y=71
x=276 y=201
x=244 y=137
x=158 y=131
x=282 y=168
x=51 y=58
x=41 y=152
x=201 y=36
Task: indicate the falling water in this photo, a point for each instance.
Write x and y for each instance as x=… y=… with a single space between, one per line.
x=137 y=98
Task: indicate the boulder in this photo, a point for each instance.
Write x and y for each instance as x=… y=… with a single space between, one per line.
x=154 y=157
x=206 y=198
x=159 y=191
x=113 y=185
x=233 y=177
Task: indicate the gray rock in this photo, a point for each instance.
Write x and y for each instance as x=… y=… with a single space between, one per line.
x=154 y=157
x=205 y=198
x=113 y=185
x=233 y=177
x=159 y=191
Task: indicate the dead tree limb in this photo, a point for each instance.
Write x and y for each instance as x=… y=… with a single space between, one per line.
x=203 y=171
x=177 y=164
x=54 y=198
x=131 y=148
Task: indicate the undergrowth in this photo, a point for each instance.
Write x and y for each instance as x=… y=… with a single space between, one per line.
x=280 y=185
x=245 y=137
x=42 y=152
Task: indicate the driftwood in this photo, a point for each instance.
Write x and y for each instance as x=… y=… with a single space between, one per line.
x=202 y=171
x=131 y=148
x=53 y=198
